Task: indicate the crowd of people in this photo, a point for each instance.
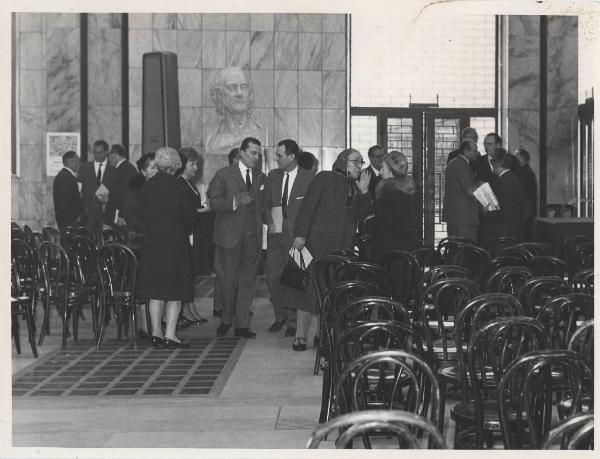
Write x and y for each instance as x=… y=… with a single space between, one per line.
x=178 y=225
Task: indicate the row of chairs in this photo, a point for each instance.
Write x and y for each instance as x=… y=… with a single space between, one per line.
x=73 y=273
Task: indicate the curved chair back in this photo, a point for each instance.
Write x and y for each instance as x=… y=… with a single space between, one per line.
x=583 y=282
x=369 y=309
x=409 y=428
x=86 y=256
x=496 y=246
x=509 y=279
x=576 y=432
x=518 y=252
x=536 y=248
x=367 y=272
x=326 y=273
x=112 y=235
x=56 y=269
x=536 y=291
x=562 y=313
x=402 y=269
x=25 y=260
x=117 y=266
x=448 y=245
x=51 y=234
x=547 y=265
x=528 y=387
x=584 y=256
x=474 y=259
x=582 y=341
x=83 y=231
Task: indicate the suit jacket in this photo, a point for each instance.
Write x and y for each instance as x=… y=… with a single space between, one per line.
x=120 y=182
x=529 y=183
x=460 y=206
x=484 y=172
x=272 y=198
x=68 y=207
x=514 y=212
x=87 y=177
x=375 y=179
x=229 y=223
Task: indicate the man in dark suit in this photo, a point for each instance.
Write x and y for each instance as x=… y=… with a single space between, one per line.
x=484 y=169
x=124 y=172
x=92 y=174
x=461 y=209
x=284 y=191
x=515 y=209
x=235 y=194
x=68 y=207
x=376 y=154
x=529 y=181
x=467 y=133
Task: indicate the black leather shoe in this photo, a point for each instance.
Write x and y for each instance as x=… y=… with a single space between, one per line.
x=172 y=344
x=244 y=333
x=289 y=332
x=276 y=326
x=157 y=342
x=223 y=329
x=299 y=344
x=217 y=313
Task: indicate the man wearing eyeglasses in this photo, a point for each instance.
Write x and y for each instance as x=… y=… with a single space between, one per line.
x=376 y=154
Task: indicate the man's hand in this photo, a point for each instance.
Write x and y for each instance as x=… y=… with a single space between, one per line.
x=120 y=221
x=299 y=243
x=243 y=199
x=272 y=228
x=363 y=181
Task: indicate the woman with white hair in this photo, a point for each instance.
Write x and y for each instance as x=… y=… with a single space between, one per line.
x=165 y=277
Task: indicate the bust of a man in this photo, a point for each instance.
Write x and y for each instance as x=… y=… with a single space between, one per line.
x=233 y=98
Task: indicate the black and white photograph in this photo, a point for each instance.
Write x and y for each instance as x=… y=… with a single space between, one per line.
x=249 y=229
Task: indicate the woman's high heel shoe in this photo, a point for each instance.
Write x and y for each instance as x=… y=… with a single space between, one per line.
x=199 y=321
x=299 y=344
x=172 y=344
x=157 y=342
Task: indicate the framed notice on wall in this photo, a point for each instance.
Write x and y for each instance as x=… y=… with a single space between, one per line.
x=57 y=144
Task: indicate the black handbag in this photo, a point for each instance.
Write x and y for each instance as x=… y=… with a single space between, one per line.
x=295 y=276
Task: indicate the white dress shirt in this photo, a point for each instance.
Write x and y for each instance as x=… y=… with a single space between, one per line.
x=292 y=176
x=243 y=170
x=375 y=171
x=97 y=165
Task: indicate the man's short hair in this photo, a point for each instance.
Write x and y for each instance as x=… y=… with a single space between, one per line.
x=249 y=140
x=467 y=143
x=469 y=133
x=496 y=137
x=119 y=150
x=524 y=154
x=234 y=153
x=143 y=162
x=291 y=147
x=101 y=143
x=67 y=156
x=373 y=149
x=502 y=158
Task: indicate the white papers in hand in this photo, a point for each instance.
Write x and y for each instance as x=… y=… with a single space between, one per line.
x=102 y=193
x=486 y=196
x=277 y=216
x=305 y=255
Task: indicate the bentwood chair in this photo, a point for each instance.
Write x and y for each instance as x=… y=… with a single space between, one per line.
x=402 y=269
x=474 y=259
x=498 y=245
x=576 y=432
x=547 y=265
x=518 y=252
x=51 y=234
x=536 y=291
x=23 y=291
x=365 y=271
x=563 y=313
x=509 y=279
x=583 y=282
x=410 y=430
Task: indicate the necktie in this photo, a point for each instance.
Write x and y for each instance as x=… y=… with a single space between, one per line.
x=99 y=174
x=284 y=199
x=248 y=182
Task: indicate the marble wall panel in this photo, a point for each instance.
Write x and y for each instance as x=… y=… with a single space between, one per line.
x=208 y=77
x=286 y=89
x=235 y=21
x=334 y=23
x=135 y=85
x=334 y=90
x=262 y=22
x=237 y=46
x=191 y=125
x=32 y=87
x=189 y=49
x=265 y=117
x=310 y=56
x=262 y=86
x=562 y=155
x=190 y=87
x=286 y=51
x=104 y=20
x=334 y=54
x=164 y=40
x=334 y=131
x=68 y=20
x=562 y=61
x=309 y=89
x=140 y=42
x=15 y=191
x=30 y=51
x=286 y=123
x=31 y=196
x=140 y=21
x=135 y=125
x=524 y=132
x=309 y=127
x=327 y=156
x=189 y=21
x=104 y=122
x=135 y=152
x=104 y=66
x=286 y=22
x=164 y=21
x=32 y=126
x=30 y=22
x=213 y=49
x=213 y=21
x=261 y=50
x=309 y=22
x=31 y=165
x=63 y=118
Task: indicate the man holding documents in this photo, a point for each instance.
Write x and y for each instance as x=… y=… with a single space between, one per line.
x=461 y=212
x=124 y=172
x=514 y=210
x=284 y=192
x=96 y=178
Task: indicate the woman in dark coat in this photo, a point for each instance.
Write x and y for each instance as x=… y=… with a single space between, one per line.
x=327 y=221
x=131 y=202
x=395 y=225
x=168 y=217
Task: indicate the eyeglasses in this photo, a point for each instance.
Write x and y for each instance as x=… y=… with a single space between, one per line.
x=360 y=162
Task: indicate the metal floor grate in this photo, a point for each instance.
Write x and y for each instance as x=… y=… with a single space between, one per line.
x=119 y=370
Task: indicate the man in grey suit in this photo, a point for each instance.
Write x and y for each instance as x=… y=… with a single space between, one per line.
x=284 y=191
x=461 y=211
x=235 y=194
x=91 y=175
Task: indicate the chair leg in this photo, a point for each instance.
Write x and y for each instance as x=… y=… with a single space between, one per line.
x=76 y=315
x=148 y=323
x=93 y=302
x=15 y=332
x=133 y=323
x=46 y=321
x=31 y=329
x=65 y=323
x=101 y=313
x=325 y=397
x=118 y=320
